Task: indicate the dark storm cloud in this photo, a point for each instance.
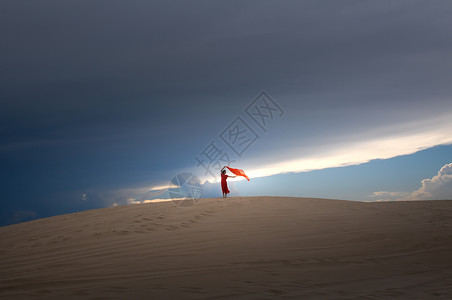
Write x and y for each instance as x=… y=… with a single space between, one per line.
x=108 y=93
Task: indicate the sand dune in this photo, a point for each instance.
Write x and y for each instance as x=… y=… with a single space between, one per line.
x=250 y=248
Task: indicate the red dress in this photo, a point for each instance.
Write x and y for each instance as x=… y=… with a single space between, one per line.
x=224 y=184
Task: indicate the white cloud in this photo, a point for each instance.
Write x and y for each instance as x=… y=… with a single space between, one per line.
x=388 y=196
x=439 y=187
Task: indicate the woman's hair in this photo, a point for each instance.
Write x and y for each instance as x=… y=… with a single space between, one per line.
x=224 y=171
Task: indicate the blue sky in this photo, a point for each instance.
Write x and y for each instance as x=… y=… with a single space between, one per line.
x=107 y=100
x=359 y=182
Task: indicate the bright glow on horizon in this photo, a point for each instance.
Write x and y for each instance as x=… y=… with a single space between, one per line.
x=357 y=153
x=156 y=200
x=164 y=187
x=421 y=136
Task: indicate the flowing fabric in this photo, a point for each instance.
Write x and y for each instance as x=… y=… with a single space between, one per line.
x=238 y=172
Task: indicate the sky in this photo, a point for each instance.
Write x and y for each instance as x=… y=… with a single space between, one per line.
x=103 y=103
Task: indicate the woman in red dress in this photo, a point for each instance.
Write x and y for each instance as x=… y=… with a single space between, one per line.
x=224 y=184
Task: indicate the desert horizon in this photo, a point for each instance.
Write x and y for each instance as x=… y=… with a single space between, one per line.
x=234 y=248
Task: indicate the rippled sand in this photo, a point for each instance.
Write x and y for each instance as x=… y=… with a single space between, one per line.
x=238 y=248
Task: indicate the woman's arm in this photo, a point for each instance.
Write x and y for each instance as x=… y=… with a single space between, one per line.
x=223 y=169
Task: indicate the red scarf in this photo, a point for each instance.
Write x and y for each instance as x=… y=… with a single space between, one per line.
x=238 y=172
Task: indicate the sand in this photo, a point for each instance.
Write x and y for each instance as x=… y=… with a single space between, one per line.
x=238 y=248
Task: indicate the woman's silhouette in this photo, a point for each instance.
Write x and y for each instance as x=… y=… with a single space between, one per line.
x=224 y=184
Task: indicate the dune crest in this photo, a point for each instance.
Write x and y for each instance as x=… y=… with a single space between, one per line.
x=244 y=247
